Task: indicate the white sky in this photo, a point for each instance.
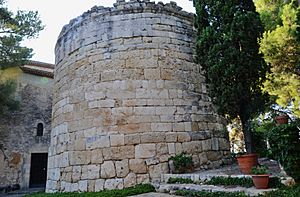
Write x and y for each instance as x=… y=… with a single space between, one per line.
x=56 y=13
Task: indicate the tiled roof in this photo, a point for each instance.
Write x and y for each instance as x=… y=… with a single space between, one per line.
x=38 y=68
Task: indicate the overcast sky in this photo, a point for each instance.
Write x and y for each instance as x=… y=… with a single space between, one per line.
x=56 y=13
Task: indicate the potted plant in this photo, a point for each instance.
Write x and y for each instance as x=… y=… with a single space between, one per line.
x=182 y=163
x=246 y=162
x=260 y=177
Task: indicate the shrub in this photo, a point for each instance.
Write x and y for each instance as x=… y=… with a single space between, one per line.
x=229 y=181
x=259 y=170
x=182 y=162
x=285 y=192
x=242 y=181
x=285 y=147
x=180 y=180
x=259 y=136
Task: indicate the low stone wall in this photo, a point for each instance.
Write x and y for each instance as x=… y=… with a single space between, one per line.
x=127 y=96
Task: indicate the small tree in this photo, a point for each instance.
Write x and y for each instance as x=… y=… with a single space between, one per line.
x=227 y=49
x=13 y=30
x=281 y=49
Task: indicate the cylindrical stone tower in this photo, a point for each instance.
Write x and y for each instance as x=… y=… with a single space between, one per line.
x=127 y=96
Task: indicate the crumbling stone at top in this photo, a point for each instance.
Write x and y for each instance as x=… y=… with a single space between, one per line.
x=132 y=6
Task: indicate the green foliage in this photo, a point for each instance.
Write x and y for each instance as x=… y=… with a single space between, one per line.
x=13 y=30
x=285 y=192
x=259 y=139
x=242 y=181
x=180 y=180
x=280 y=46
x=7 y=101
x=228 y=51
x=230 y=181
x=284 y=144
x=270 y=11
x=182 y=162
x=260 y=169
x=138 y=189
x=191 y=193
x=285 y=147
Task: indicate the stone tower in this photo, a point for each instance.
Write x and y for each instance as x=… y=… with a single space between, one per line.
x=127 y=96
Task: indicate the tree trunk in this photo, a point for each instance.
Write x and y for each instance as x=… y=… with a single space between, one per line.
x=247 y=135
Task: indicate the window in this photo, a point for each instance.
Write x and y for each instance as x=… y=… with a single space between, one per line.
x=39 y=130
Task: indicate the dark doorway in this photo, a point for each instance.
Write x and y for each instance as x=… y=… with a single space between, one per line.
x=38 y=170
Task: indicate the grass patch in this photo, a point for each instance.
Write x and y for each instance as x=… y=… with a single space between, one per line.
x=285 y=192
x=180 y=180
x=138 y=189
x=243 y=181
x=190 y=193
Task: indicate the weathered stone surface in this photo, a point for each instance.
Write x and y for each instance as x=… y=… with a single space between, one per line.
x=145 y=150
x=137 y=166
x=108 y=170
x=171 y=148
x=90 y=172
x=122 y=168
x=130 y=180
x=142 y=178
x=153 y=137
x=19 y=136
x=132 y=139
x=114 y=184
x=96 y=156
x=83 y=186
x=117 y=140
x=155 y=171
x=99 y=184
x=130 y=98
x=207 y=145
x=80 y=157
x=91 y=185
x=183 y=137
x=76 y=174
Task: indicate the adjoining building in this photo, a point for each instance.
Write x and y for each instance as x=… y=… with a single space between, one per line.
x=25 y=133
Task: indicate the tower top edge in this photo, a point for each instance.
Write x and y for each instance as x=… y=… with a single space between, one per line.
x=122 y=7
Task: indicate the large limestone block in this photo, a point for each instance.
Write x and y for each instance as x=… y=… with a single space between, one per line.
x=137 y=166
x=145 y=151
x=108 y=170
x=122 y=168
x=114 y=184
x=90 y=172
x=130 y=180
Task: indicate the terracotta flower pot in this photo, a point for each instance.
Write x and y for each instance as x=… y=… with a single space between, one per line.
x=261 y=181
x=282 y=119
x=246 y=162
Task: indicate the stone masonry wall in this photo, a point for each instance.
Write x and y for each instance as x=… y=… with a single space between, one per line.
x=18 y=137
x=127 y=96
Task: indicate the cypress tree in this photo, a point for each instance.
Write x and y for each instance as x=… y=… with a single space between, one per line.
x=228 y=51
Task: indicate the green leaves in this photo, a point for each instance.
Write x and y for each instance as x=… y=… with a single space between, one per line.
x=227 y=50
x=13 y=30
x=6 y=96
x=281 y=49
x=182 y=162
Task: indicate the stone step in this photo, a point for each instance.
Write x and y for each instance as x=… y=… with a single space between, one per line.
x=172 y=188
x=198 y=177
